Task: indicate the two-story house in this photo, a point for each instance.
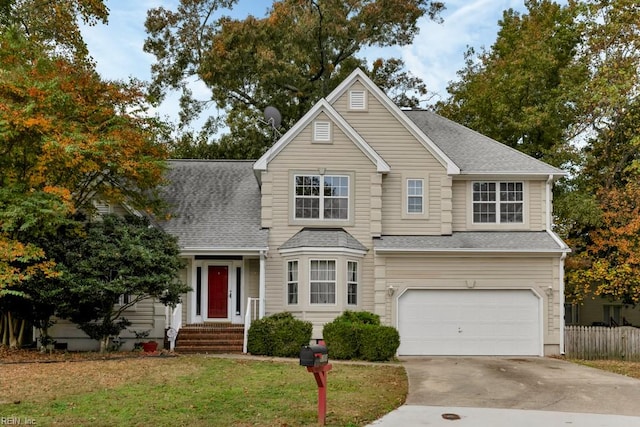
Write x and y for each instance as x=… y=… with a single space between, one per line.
x=443 y=232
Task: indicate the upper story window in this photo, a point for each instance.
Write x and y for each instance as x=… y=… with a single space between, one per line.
x=415 y=196
x=324 y=197
x=498 y=202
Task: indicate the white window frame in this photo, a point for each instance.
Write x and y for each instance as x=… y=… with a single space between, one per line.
x=321 y=197
x=326 y=281
x=352 y=282
x=498 y=202
x=411 y=195
x=293 y=282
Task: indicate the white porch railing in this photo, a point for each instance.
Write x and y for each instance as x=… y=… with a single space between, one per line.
x=252 y=313
x=175 y=323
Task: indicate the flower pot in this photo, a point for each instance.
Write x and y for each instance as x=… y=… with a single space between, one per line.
x=149 y=347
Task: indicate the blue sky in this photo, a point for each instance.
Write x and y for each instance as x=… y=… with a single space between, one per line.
x=435 y=55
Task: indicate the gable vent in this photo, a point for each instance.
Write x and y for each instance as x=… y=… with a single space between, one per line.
x=102 y=207
x=322 y=131
x=357 y=100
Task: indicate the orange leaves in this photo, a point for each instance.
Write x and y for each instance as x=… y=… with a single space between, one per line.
x=610 y=266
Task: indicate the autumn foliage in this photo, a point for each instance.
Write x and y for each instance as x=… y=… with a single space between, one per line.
x=67 y=137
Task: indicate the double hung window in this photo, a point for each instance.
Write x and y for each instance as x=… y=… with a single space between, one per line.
x=324 y=197
x=498 y=202
x=322 y=282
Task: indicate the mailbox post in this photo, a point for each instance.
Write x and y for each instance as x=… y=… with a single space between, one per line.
x=316 y=359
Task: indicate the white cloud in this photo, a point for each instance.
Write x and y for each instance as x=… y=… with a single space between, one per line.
x=435 y=55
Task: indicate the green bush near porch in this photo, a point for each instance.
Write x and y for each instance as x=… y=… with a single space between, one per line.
x=279 y=335
x=359 y=335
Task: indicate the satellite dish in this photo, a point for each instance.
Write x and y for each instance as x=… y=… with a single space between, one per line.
x=273 y=116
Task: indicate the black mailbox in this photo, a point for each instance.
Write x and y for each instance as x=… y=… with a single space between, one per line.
x=313 y=355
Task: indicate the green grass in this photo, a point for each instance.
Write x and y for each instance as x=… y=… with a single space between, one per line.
x=197 y=391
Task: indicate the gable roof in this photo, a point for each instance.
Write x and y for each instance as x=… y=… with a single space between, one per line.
x=325 y=107
x=215 y=206
x=475 y=153
x=425 y=140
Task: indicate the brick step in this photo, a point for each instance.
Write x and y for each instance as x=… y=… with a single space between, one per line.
x=210 y=334
x=210 y=338
x=208 y=350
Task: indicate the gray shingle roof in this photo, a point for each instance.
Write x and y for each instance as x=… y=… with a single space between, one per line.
x=473 y=152
x=214 y=205
x=323 y=238
x=471 y=241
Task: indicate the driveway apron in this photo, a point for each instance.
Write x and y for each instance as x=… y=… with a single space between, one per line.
x=520 y=383
x=496 y=392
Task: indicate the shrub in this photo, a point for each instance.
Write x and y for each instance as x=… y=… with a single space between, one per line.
x=378 y=343
x=359 y=335
x=279 y=335
x=341 y=338
x=361 y=317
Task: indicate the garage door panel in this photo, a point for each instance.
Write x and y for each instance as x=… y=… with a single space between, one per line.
x=469 y=322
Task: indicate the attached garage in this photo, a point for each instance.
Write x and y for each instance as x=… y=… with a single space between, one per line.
x=470 y=322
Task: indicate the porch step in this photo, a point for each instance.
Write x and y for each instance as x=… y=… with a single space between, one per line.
x=210 y=338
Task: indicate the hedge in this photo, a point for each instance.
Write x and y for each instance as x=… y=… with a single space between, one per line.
x=279 y=335
x=359 y=335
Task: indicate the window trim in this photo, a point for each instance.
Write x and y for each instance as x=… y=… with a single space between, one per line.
x=335 y=283
x=355 y=282
x=322 y=198
x=497 y=203
x=292 y=282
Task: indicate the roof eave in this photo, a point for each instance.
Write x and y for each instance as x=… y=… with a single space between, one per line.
x=471 y=250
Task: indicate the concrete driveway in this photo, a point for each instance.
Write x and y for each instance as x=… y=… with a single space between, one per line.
x=496 y=391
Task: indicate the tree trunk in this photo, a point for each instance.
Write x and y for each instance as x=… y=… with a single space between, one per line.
x=13 y=342
x=104 y=344
x=4 y=333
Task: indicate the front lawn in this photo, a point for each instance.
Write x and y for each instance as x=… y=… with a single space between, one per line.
x=194 y=391
x=630 y=369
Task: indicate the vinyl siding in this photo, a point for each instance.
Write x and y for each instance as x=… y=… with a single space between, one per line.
x=145 y=315
x=407 y=158
x=539 y=273
x=301 y=155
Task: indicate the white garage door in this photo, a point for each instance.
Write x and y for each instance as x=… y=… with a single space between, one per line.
x=469 y=322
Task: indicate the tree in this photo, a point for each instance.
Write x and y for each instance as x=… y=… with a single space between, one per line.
x=610 y=265
x=520 y=91
x=53 y=23
x=291 y=58
x=66 y=138
x=118 y=256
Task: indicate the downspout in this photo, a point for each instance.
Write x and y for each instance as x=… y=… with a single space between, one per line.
x=262 y=284
x=561 y=291
x=549 y=227
x=548 y=207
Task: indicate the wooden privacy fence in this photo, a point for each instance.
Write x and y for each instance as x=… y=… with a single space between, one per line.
x=601 y=342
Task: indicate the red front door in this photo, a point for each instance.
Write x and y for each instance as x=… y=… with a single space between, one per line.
x=218 y=285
